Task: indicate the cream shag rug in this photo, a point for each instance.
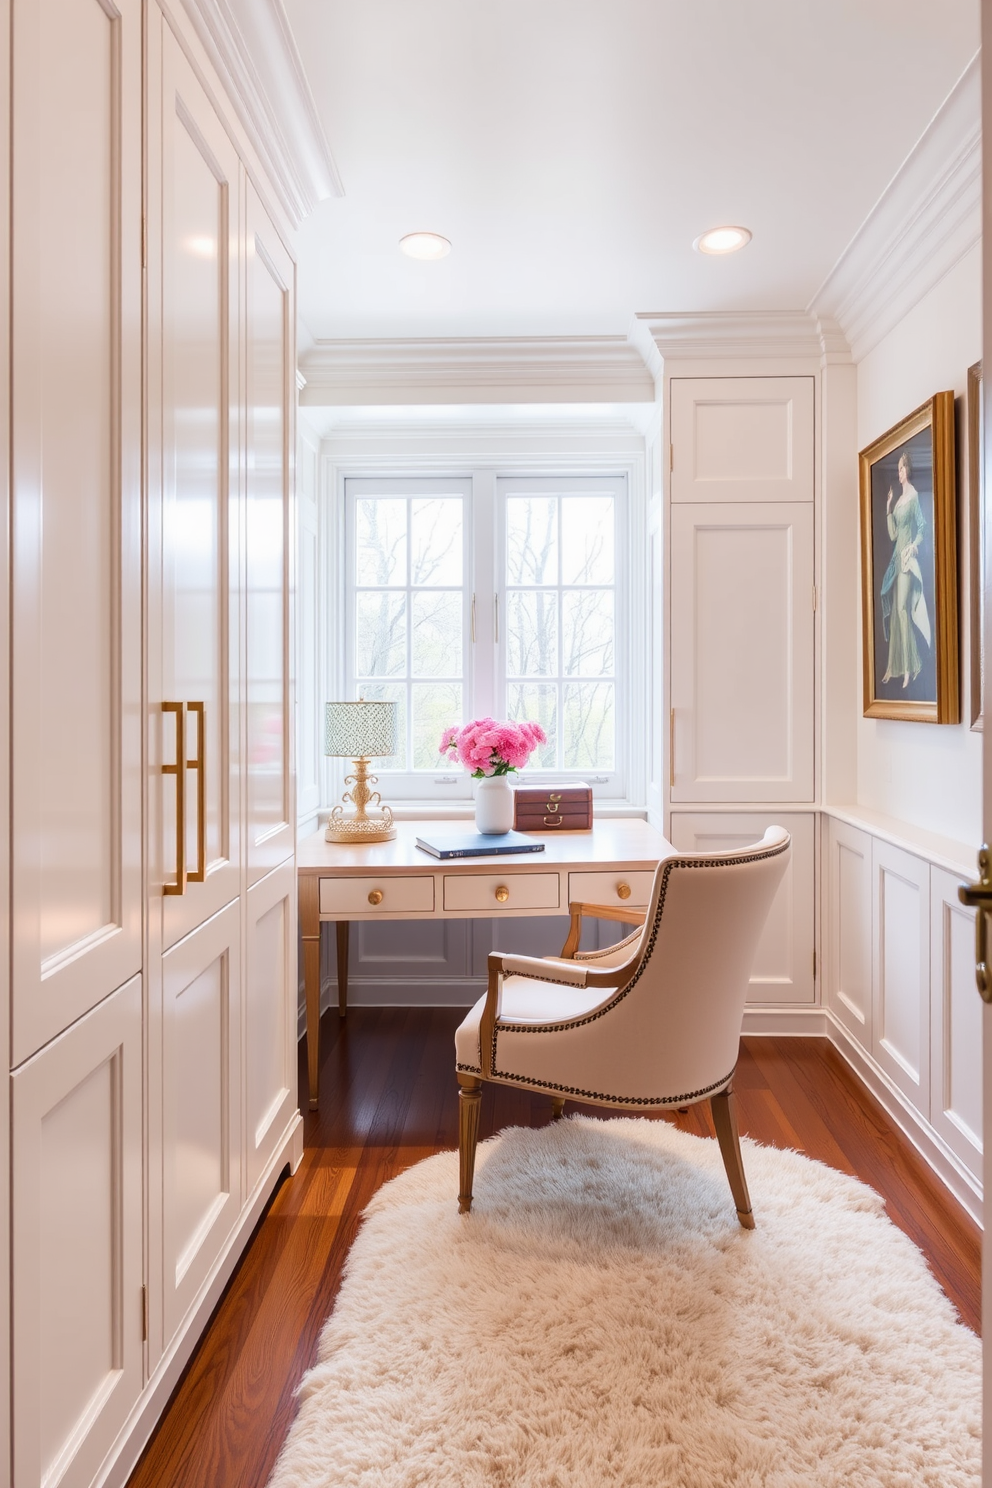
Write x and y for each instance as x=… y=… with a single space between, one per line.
x=601 y=1319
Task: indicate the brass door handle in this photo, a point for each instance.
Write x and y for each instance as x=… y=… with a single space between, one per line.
x=375 y=896
x=199 y=764
x=623 y=891
x=179 y=770
x=502 y=893
x=978 y=896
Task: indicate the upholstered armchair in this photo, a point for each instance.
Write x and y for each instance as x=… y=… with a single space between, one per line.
x=652 y=1022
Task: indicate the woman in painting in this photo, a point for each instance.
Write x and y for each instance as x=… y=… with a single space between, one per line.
x=904 y=607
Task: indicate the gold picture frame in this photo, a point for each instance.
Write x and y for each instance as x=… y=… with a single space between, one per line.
x=976 y=546
x=909 y=568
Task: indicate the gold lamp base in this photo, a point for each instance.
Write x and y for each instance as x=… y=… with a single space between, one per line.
x=360 y=827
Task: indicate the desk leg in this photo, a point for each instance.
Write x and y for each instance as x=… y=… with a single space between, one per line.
x=342 y=931
x=310 y=934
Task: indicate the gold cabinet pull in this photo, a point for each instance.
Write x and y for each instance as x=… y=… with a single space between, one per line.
x=179 y=770
x=375 y=896
x=623 y=890
x=199 y=764
x=502 y=893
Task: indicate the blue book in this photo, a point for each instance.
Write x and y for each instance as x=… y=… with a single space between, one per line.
x=479 y=845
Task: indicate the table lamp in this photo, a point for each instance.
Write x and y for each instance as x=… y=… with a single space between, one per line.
x=359 y=732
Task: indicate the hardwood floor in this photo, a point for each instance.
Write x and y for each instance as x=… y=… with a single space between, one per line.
x=388 y=1099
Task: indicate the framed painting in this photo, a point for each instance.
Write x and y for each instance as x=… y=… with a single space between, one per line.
x=976 y=545
x=909 y=568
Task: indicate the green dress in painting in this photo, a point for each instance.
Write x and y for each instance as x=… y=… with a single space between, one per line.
x=904 y=607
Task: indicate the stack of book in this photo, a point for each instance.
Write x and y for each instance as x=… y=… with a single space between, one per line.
x=549 y=808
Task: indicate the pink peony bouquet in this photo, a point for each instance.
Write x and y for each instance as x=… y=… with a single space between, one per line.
x=489 y=748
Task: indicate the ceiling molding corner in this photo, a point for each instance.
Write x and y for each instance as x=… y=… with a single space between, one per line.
x=465 y=370
x=251 y=44
x=726 y=335
x=925 y=221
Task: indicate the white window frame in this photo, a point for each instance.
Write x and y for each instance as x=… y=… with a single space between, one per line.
x=426 y=793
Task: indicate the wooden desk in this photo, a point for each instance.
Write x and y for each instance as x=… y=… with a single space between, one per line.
x=613 y=864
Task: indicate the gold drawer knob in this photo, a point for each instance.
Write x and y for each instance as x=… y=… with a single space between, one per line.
x=502 y=893
x=375 y=896
x=623 y=890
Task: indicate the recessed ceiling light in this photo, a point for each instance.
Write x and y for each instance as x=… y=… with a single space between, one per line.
x=722 y=240
x=425 y=245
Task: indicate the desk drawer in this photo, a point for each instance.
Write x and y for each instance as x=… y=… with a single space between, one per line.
x=604 y=888
x=524 y=891
x=351 y=896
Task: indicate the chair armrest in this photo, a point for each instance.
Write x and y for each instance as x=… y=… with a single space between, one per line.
x=569 y=975
x=596 y=912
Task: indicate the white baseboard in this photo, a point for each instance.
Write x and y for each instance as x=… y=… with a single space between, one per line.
x=936 y=1154
x=796 y=1022
x=134 y=1435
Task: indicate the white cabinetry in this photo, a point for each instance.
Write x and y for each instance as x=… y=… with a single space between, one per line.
x=742 y=652
x=77 y=1229
x=848 y=930
x=901 y=969
x=742 y=439
x=269 y=1018
x=955 y=1023
x=783 y=964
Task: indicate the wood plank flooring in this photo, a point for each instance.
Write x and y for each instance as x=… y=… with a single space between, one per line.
x=388 y=1099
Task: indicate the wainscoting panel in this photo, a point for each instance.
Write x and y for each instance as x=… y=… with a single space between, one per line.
x=848 y=928
x=955 y=1024
x=783 y=966
x=901 y=981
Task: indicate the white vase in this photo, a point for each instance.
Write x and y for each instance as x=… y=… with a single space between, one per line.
x=493 y=805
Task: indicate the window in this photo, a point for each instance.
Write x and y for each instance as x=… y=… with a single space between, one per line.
x=502 y=595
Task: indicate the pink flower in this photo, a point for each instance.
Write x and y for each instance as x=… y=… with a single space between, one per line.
x=448 y=739
x=486 y=747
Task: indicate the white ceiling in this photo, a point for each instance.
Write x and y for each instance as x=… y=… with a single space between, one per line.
x=573 y=149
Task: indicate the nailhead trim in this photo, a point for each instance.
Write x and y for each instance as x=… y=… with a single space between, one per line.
x=598 y=1095
x=669 y=868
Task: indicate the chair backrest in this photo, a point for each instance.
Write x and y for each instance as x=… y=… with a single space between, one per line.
x=677 y=1019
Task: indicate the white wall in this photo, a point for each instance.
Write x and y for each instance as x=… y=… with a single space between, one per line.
x=927 y=774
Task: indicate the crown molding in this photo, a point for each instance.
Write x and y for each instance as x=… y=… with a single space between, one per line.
x=459 y=370
x=927 y=218
x=251 y=45
x=780 y=335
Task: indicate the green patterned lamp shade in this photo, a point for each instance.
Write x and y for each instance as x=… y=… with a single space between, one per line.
x=361 y=730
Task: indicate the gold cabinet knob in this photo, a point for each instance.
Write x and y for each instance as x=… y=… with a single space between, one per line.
x=623 y=890
x=502 y=893
x=375 y=896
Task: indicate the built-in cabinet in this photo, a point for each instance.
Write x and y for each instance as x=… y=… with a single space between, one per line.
x=900 y=987
x=153 y=1068
x=740 y=577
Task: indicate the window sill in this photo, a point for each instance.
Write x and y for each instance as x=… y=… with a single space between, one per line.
x=465 y=811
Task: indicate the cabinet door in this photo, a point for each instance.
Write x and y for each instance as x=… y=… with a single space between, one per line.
x=742 y=653
x=742 y=439
x=901 y=970
x=783 y=963
x=194 y=634
x=269 y=1017
x=76 y=1111
x=848 y=928
x=270 y=363
x=955 y=1024
x=201 y=1103
x=76 y=573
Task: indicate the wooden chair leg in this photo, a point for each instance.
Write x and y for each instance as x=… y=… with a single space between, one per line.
x=469 y=1106
x=724 y=1108
x=557 y=1107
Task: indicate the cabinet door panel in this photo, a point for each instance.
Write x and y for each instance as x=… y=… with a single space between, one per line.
x=783 y=963
x=76 y=509
x=955 y=1024
x=742 y=438
x=848 y=928
x=201 y=1101
x=901 y=980
x=270 y=1017
x=194 y=636
x=742 y=653
x=270 y=361
x=77 y=1243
